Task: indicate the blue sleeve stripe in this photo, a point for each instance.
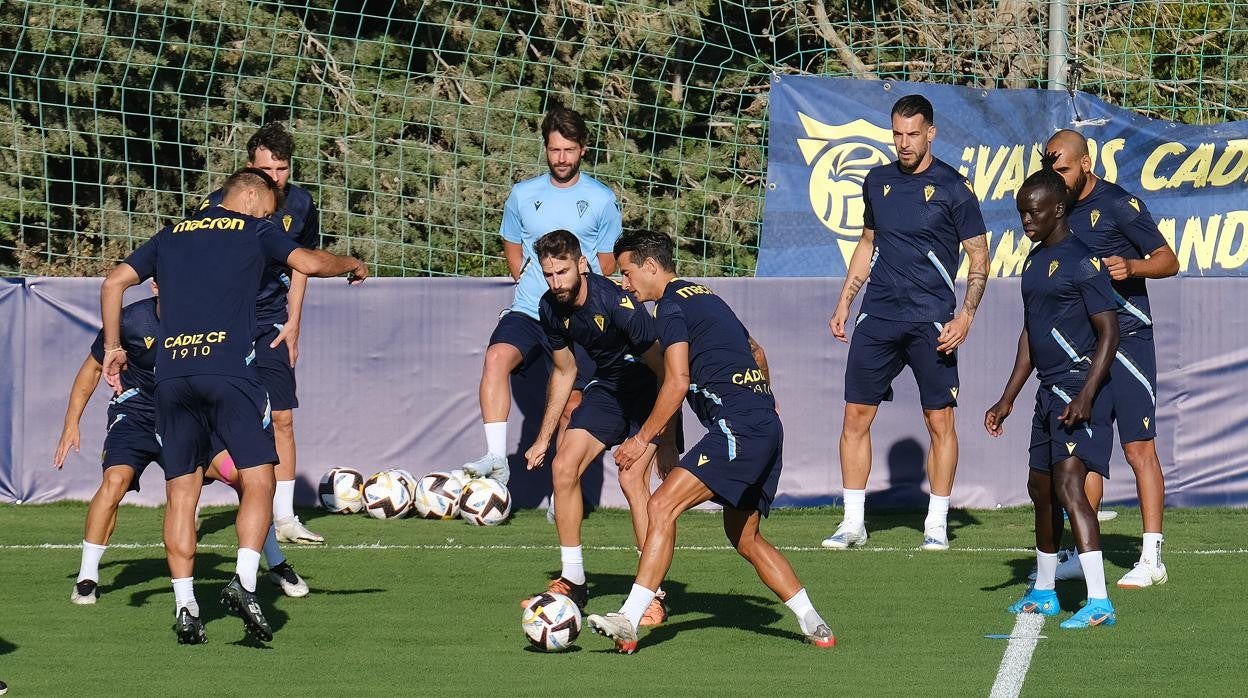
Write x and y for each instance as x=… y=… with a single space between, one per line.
x=940 y=268
x=1139 y=375
x=1126 y=306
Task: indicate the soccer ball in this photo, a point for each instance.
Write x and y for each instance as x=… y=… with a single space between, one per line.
x=387 y=496
x=341 y=491
x=551 y=622
x=460 y=475
x=407 y=478
x=437 y=496
x=485 y=502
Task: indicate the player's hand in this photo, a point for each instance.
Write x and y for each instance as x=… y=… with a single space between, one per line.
x=1077 y=411
x=536 y=455
x=1118 y=268
x=954 y=334
x=114 y=363
x=994 y=418
x=69 y=439
x=289 y=334
x=358 y=274
x=629 y=452
x=837 y=322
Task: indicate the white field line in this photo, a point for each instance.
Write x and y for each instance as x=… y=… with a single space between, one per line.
x=1017 y=659
x=450 y=544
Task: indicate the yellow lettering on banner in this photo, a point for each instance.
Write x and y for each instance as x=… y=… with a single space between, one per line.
x=1195 y=168
x=1106 y=155
x=1012 y=175
x=1198 y=241
x=1232 y=164
x=1149 y=179
x=1234 y=230
x=1008 y=258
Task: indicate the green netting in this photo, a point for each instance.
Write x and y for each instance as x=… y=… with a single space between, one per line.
x=414 y=118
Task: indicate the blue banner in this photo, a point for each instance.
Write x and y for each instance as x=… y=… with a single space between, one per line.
x=827 y=133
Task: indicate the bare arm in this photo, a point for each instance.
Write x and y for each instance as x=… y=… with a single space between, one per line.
x=955 y=332
x=671 y=392
x=112 y=290
x=558 y=389
x=1080 y=409
x=857 y=274
x=323 y=264
x=514 y=253
x=607 y=261
x=85 y=383
x=294 y=315
x=760 y=358
x=1161 y=264
x=994 y=419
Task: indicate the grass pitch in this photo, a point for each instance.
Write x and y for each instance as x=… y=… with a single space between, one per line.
x=415 y=607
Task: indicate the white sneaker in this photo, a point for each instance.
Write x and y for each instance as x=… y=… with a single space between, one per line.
x=845 y=538
x=289 y=580
x=1068 y=565
x=490 y=465
x=292 y=530
x=617 y=627
x=1144 y=574
x=1106 y=515
x=936 y=538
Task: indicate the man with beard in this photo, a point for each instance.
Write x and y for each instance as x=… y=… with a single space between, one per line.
x=917 y=211
x=1122 y=233
x=614 y=329
x=564 y=198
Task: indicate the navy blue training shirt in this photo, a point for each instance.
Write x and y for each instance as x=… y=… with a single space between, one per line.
x=140 y=334
x=301 y=222
x=920 y=221
x=1116 y=224
x=209 y=268
x=1063 y=286
x=724 y=377
x=612 y=326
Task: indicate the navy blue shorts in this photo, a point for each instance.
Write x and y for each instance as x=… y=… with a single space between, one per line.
x=1134 y=383
x=879 y=349
x=1091 y=442
x=740 y=460
x=276 y=373
x=612 y=416
x=529 y=338
x=131 y=441
x=189 y=409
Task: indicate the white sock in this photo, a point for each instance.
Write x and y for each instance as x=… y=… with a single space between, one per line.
x=807 y=617
x=89 y=568
x=937 y=511
x=573 y=560
x=636 y=604
x=184 y=596
x=273 y=555
x=246 y=567
x=1094 y=573
x=496 y=438
x=284 y=500
x=855 y=504
x=1046 y=571
x=1151 y=554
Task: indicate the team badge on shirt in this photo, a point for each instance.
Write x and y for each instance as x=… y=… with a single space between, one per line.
x=1135 y=203
x=627 y=302
x=1096 y=216
x=147 y=342
x=1096 y=262
x=581 y=207
x=566 y=321
x=1052 y=268
x=887 y=189
x=286 y=221
x=537 y=205
x=928 y=191
x=601 y=322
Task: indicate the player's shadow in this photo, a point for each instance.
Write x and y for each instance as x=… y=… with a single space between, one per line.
x=748 y=612
x=7 y=647
x=529 y=487
x=1070 y=593
x=212 y=522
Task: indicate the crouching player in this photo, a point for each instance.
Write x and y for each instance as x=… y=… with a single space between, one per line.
x=618 y=334
x=1070 y=334
x=709 y=357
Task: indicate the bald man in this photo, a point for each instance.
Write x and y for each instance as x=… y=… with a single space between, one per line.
x=1118 y=227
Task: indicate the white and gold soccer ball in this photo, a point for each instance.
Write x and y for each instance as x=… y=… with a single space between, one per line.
x=485 y=502
x=437 y=496
x=342 y=491
x=551 y=622
x=387 y=496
